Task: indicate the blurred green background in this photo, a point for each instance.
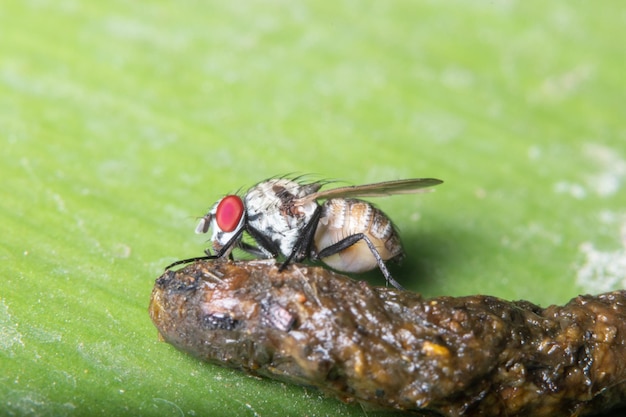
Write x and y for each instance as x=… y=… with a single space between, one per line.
x=123 y=122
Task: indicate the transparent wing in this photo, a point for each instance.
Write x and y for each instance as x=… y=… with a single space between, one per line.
x=379 y=189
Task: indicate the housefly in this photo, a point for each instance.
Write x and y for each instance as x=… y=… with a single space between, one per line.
x=283 y=216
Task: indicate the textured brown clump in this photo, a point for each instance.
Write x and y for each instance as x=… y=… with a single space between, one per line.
x=466 y=356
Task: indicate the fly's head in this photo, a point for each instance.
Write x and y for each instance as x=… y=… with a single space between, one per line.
x=226 y=220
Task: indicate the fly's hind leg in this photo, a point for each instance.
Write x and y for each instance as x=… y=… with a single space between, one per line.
x=353 y=239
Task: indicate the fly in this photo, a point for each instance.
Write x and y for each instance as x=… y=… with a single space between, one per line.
x=283 y=216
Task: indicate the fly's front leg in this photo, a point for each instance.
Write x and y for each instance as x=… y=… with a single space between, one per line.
x=209 y=255
x=189 y=260
x=302 y=247
x=353 y=239
x=227 y=249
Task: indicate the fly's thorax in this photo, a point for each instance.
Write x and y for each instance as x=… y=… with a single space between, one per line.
x=273 y=210
x=276 y=194
x=341 y=218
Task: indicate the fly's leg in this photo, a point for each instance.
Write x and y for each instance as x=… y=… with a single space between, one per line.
x=225 y=251
x=265 y=247
x=258 y=251
x=353 y=239
x=302 y=246
x=209 y=255
x=189 y=260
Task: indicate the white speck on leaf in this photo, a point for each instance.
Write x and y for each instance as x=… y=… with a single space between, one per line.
x=575 y=190
x=605 y=181
x=534 y=153
x=608 y=180
x=562 y=86
x=603 y=271
x=159 y=403
x=10 y=337
x=121 y=250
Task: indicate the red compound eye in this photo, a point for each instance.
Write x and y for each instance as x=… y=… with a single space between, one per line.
x=229 y=212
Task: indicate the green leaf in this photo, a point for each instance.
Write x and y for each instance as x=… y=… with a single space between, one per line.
x=121 y=123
